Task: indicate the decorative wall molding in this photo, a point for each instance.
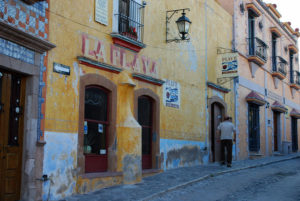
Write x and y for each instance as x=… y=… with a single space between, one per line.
x=25 y=39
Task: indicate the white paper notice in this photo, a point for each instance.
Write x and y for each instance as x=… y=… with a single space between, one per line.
x=102 y=151
x=101 y=11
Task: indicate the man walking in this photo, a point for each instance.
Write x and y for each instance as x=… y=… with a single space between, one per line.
x=227 y=135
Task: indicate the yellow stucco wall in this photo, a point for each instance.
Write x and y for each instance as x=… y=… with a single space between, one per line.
x=182 y=62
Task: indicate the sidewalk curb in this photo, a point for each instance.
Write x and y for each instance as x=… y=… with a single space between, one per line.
x=213 y=175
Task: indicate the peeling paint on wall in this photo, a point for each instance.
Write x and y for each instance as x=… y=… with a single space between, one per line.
x=60 y=163
x=191 y=62
x=131 y=168
x=179 y=153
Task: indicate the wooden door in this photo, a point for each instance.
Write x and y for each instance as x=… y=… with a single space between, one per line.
x=275 y=122
x=217 y=118
x=145 y=115
x=253 y=126
x=12 y=97
x=294 y=135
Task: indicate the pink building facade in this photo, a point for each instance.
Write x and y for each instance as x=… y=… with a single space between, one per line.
x=267 y=87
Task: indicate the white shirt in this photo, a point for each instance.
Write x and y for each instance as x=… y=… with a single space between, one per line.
x=227 y=129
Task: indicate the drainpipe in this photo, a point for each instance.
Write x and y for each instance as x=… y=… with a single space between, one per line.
x=235 y=83
x=206 y=78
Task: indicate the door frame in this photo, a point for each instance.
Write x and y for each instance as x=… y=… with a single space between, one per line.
x=156 y=160
x=212 y=100
x=101 y=81
x=31 y=149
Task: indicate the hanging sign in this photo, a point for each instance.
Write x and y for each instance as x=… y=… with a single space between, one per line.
x=229 y=63
x=101 y=14
x=171 y=96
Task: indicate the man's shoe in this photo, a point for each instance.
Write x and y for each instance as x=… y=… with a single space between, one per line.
x=222 y=163
x=228 y=165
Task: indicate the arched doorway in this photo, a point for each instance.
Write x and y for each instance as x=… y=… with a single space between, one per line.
x=145 y=119
x=146 y=110
x=217 y=111
x=217 y=117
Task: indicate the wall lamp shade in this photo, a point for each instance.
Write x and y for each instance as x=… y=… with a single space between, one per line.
x=183 y=24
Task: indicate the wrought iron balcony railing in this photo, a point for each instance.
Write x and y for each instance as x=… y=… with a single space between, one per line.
x=131 y=20
x=295 y=77
x=279 y=65
x=257 y=48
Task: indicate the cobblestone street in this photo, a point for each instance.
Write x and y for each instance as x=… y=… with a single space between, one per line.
x=246 y=179
x=276 y=182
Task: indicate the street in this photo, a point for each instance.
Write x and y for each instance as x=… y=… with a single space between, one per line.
x=276 y=182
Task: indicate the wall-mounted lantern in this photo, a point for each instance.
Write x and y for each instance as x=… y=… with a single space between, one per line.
x=183 y=25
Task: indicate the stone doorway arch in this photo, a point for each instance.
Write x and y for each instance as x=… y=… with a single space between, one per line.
x=217 y=109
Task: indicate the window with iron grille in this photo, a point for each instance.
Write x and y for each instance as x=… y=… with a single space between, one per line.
x=131 y=19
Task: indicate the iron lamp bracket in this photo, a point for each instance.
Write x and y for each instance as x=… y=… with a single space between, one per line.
x=169 y=15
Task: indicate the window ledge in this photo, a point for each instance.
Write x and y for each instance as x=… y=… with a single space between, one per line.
x=96 y=64
x=278 y=74
x=126 y=42
x=295 y=86
x=100 y=175
x=148 y=79
x=256 y=59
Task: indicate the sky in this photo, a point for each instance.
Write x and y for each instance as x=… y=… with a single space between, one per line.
x=289 y=10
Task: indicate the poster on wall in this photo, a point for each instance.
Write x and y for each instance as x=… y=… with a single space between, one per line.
x=171 y=94
x=229 y=62
x=101 y=11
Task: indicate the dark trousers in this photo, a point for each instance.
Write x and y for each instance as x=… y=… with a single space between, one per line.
x=228 y=145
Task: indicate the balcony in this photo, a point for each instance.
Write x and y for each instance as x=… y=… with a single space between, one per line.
x=257 y=51
x=295 y=80
x=130 y=25
x=279 y=66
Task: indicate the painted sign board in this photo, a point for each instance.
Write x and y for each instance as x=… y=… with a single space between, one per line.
x=171 y=94
x=108 y=53
x=101 y=11
x=229 y=63
x=61 y=69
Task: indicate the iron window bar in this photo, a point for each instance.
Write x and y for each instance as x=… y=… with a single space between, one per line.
x=295 y=78
x=280 y=65
x=131 y=19
x=258 y=48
